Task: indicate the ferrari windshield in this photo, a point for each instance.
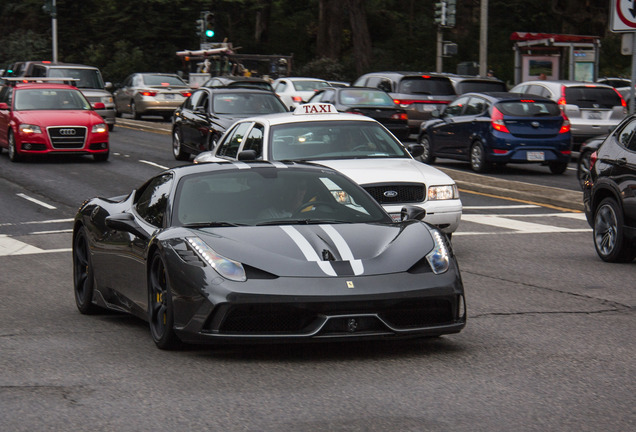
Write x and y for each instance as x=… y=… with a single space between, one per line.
x=50 y=99
x=333 y=140
x=272 y=196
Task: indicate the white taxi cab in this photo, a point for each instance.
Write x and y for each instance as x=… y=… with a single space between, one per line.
x=355 y=145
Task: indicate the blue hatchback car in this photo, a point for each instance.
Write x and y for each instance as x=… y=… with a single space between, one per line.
x=498 y=128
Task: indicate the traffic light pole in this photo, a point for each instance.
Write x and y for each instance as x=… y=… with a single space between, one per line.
x=438 y=63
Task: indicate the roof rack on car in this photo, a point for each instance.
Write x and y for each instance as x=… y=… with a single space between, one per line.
x=41 y=80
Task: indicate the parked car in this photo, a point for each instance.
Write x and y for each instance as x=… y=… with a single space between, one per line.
x=475 y=84
x=419 y=93
x=87 y=78
x=151 y=94
x=371 y=102
x=499 y=128
x=44 y=117
x=609 y=196
x=211 y=263
x=355 y=145
x=294 y=91
x=588 y=147
x=593 y=108
x=238 y=81
x=200 y=121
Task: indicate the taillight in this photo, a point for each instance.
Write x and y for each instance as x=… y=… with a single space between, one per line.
x=497 y=121
x=593 y=159
x=186 y=93
x=565 y=127
x=407 y=102
x=400 y=116
x=561 y=100
x=297 y=99
x=622 y=99
x=148 y=93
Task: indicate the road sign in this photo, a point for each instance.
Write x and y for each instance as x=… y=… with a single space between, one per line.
x=623 y=15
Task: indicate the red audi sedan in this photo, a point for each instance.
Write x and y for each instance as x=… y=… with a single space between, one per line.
x=45 y=117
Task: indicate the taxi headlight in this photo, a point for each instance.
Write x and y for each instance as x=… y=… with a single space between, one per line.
x=439 y=257
x=226 y=267
x=99 y=128
x=30 y=129
x=442 y=192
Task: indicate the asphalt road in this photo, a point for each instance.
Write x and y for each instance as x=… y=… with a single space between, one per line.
x=548 y=346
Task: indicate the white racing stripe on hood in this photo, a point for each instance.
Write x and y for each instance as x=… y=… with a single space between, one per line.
x=343 y=249
x=307 y=250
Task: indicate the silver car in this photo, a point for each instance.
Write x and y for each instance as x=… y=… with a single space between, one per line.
x=592 y=108
x=151 y=94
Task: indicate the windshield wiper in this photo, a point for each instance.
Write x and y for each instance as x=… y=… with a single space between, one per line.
x=211 y=224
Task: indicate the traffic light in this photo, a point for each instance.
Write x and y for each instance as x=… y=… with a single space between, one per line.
x=440 y=13
x=451 y=10
x=209 y=25
x=200 y=28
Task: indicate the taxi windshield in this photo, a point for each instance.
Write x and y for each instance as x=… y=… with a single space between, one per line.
x=340 y=139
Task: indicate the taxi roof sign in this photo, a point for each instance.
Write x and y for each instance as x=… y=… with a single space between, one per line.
x=315 y=108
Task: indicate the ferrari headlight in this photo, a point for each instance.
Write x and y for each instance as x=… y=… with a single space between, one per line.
x=29 y=129
x=443 y=192
x=100 y=128
x=439 y=257
x=226 y=267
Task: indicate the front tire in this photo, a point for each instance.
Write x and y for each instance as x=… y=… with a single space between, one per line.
x=427 y=157
x=177 y=146
x=609 y=239
x=14 y=156
x=83 y=277
x=160 y=308
x=101 y=157
x=558 y=167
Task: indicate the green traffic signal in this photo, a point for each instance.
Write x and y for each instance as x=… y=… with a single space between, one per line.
x=209 y=33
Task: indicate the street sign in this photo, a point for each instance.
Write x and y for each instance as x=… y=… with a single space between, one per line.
x=623 y=16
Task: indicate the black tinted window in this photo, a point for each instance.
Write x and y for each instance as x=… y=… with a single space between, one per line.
x=592 y=97
x=529 y=108
x=426 y=86
x=153 y=200
x=479 y=87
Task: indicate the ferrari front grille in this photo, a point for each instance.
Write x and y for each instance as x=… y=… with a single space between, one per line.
x=397 y=193
x=67 y=137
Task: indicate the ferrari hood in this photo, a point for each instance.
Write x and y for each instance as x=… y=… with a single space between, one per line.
x=393 y=170
x=61 y=118
x=323 y=250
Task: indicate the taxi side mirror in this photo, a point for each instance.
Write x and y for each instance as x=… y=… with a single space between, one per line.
x=416 y=150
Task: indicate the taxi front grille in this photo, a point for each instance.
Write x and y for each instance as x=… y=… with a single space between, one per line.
x=67 y=137
x=397 y=193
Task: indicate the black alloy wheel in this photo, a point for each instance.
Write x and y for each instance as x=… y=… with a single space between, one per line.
x=160 y=309
x=427 y=157
x=609 y=239
x=177 y=147
x=83 y=278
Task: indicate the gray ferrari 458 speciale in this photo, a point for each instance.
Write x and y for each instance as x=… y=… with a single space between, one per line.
x=264 y=251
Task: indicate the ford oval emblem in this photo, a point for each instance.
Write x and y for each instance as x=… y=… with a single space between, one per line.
x=390 y=194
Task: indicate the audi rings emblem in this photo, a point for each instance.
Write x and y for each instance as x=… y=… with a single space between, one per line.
x=390 y=194
x=67 y=132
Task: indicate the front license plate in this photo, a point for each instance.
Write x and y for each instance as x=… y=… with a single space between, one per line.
x=535 y=156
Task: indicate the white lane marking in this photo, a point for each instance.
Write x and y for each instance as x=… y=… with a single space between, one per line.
x=343 y=249
x=36 y=201
x=309 y=253
x=52 y=232
x=153 y=164
x=10 y=246
x=36 y=222
x=512 y=224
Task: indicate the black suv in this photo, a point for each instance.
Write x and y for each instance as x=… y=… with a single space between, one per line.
x=610 y=194
x=418 y=93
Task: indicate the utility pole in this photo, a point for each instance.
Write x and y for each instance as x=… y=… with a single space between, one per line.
x=50 y=8
x=483 y=39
